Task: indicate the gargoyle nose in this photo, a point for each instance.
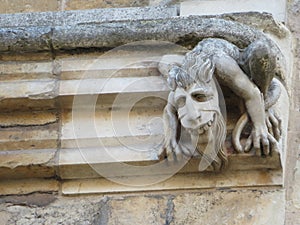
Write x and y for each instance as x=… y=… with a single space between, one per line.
x=194 y=113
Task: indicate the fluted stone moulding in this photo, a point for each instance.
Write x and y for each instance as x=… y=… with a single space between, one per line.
x=226 y=110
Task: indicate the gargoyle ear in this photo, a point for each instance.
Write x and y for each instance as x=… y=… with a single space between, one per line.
x=172 y=77
x=207 y=70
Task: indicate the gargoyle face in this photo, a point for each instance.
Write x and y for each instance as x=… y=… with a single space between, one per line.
x=196 y=107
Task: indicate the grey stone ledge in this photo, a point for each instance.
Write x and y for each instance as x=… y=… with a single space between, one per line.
x=262 y=21
x=76 y=17
x=98 y=33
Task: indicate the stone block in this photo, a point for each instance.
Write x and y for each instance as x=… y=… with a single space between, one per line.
x=26 y=104
x=27 y=164
x=256 y=206
x=43 y=89
x=28 y=130
x=85 y=16
x=204 y=7
x=18 y=71
x=4 y=217
x=150 y=180
x=233 y=206
x=27 y=186
x=146 y=209
x=91 y=4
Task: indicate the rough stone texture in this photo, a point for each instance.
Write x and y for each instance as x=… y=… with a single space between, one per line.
x=139 y=210
x=27 y=164
x=261 y=21
x=231 y=206
x=186 y=31
x=71 y=18
x=17 y=6
x=204 y=7
x=20 y=6
x=293 y=159
x=27 y=186
x=91 y=4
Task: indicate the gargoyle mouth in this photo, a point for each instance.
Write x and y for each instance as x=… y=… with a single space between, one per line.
x=203 y=127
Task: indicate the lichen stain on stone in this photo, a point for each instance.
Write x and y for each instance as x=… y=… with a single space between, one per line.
x=40 y=200
x=263 y=178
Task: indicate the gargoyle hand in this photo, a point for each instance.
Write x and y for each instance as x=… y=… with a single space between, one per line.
x=273 y=122
x=264 y=143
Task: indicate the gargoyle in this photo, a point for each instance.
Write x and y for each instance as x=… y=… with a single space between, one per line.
x=194 y=125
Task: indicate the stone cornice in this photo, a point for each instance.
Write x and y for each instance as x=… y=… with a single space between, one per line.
x=33 y=32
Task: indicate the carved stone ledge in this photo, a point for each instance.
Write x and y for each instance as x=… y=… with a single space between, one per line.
x=51 y=85
x=99 y=34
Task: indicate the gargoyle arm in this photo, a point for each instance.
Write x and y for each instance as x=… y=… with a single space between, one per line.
x=170 y=126
x=231 y=75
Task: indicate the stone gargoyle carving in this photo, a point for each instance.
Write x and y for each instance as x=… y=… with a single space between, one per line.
x=194 y=125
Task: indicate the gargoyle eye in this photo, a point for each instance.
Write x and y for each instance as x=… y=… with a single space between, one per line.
x=199 y=97
x=180 y=102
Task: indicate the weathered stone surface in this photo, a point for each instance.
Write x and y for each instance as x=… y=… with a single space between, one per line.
x=18 y=6
x=4 y=217
x=24 y=119
x=21 y=57
x=26 y=186
x=43 y=89
x=292 y=178
x=71 y=18
x=65 y=211
x=15 y=159
x=35 y=130
x=27 y=39
x=27 y=164
x=18 y=138
x=262 y=21
x=143 y=209
x=152 y=181
x=201 y=7
x=35 y=199
x=177 y=30
x=231 y=206
x=185 y=31
x=24 y=104
x=90 y=4
x=26 y=70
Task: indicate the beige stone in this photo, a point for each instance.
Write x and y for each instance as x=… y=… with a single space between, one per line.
x=46 y=88
x=142 y=209
x=25 y=104
x=204 y=7
x=12 y=67
x=91 y=4
x=4 y=217
x=189 y=181
x=15 y=119
x=27 y=164
x=235 y=206
x=21 y=187
x=26 y=56
x=30 y=137
x=231 y=207
x=17 y=6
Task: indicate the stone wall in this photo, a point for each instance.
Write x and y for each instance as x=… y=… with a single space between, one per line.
x=229 y=206
x=293 y=169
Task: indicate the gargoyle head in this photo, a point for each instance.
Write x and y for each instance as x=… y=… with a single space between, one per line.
x=195 y=98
